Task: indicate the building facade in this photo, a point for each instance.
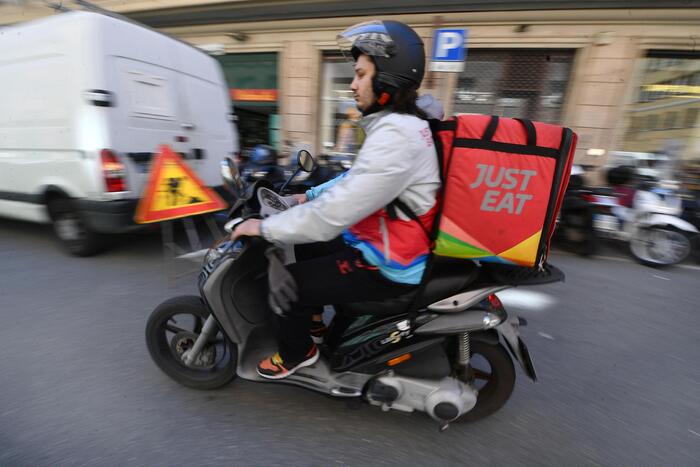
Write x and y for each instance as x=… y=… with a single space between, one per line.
x=623 y=75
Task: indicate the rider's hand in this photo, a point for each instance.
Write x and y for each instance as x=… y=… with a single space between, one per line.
x=301 y=198
x=247 y=228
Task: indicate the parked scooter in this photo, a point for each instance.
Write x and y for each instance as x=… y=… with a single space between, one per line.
x=262 y=164
x=691 y=213
x=451 y=360
x=656 y=234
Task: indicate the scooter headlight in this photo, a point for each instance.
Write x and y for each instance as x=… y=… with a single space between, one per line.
x=216 y=253
x=213 y=255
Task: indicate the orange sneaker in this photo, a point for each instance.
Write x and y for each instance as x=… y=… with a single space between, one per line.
x=275 y=367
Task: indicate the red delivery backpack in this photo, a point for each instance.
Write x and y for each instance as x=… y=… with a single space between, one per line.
x=503 y=184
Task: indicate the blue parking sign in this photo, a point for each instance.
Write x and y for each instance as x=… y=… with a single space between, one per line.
x=448 y=50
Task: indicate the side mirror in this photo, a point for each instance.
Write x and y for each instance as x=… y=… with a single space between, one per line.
x=232 y=178
x=306 y=161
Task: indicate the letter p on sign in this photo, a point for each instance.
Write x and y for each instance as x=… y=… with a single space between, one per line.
x=446 y=43
x=448 y=50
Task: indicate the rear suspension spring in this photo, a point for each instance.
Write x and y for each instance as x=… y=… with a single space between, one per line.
x=464 y=349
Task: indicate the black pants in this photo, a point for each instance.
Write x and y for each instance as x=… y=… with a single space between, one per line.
x=328 y=273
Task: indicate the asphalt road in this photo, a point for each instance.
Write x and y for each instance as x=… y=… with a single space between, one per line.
x=617 y=349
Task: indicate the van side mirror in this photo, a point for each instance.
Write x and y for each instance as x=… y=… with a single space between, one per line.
x=306 y=161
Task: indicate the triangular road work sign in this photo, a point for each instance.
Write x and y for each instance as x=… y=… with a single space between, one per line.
x=173 y=190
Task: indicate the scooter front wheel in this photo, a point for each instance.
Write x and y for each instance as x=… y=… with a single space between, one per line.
x=657 y=247
x=172 y=330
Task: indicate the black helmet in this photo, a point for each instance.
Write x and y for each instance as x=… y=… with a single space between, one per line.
x=396 y=49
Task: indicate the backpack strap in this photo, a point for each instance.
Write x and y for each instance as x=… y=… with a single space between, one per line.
x=490 y=128
x=530 y=129
x=408 y=212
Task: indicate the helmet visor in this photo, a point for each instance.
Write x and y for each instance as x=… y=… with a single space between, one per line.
x=370 y=38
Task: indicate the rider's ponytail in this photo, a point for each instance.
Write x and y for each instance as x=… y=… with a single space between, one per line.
x=404 y=102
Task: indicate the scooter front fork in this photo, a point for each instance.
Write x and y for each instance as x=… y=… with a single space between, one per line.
x=190 y=356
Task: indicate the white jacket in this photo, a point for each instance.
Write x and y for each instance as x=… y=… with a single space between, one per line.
x=397 y=160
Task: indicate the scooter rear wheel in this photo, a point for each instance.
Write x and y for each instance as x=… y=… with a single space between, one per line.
x=172 y=329
x=492 y=372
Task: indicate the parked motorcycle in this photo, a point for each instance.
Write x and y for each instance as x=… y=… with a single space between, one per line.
x=453 y=359
x=575 y=230
x=657 y=236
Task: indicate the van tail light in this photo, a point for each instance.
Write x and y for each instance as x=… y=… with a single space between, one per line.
x=113 y=171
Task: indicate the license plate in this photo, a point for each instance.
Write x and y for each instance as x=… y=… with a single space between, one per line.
x=605 y=222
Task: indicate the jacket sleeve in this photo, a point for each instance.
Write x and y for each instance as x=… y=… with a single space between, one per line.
x=316 y=191
x=382 y=171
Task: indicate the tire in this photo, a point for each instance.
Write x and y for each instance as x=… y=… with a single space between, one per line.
x=71 y=230
x=165 y=350
x=498 y=388
x=645 y=245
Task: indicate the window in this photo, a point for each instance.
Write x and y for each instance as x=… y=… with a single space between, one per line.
x=653 y=122
x=665 y=109
x=340 y=129
x=514 y=83
x=671 y=118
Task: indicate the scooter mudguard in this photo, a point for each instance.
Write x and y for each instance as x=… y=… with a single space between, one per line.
x=511 y=335
x=665 y=219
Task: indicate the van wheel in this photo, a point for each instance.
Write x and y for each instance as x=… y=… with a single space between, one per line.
x=70 y=229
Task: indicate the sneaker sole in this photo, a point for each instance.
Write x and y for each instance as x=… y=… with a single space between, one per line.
x=303 y=364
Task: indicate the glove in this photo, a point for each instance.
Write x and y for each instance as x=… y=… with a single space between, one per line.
x=283 y=287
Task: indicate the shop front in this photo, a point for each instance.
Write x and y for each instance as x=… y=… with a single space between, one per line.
x=252 y=81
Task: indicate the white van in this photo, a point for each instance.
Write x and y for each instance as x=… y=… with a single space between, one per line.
x=85 y=101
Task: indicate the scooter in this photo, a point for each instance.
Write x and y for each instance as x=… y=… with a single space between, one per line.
x=656 y=234
x=451 y=356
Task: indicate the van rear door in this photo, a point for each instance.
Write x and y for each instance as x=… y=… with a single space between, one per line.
x=147 y=114
x=206 y=126
x=159 y=105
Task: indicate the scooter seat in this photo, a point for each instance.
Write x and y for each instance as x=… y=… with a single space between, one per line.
x=448 y=276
